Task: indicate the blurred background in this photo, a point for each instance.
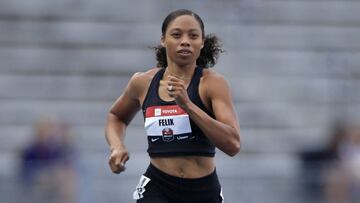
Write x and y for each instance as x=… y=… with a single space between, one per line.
x=294 y=69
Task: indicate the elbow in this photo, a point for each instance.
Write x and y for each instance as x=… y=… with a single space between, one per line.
x=111 y=115
x=115 y=118
x=233 y=148
x=235 y=143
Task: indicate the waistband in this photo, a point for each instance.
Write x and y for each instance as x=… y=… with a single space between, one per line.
x=210 y=180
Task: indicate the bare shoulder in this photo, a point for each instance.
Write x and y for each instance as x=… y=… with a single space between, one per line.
x=214 y=84
x=140 y=82
x=211 y=77
x=140 y=79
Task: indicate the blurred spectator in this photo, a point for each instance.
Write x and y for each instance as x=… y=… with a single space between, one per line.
x=317 y=161
x=47 y=163
x=342 y=181
x=332 y=174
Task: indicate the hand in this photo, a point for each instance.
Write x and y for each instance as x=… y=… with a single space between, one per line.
x=117 y=160
x=177 y=90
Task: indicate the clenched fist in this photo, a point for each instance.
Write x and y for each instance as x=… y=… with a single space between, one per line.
x=117 y=160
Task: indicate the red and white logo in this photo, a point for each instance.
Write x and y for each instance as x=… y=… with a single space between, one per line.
x=166 y=121
x=167 y=134
x=157 y=112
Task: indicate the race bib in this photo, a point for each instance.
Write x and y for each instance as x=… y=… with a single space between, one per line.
x=167 y=122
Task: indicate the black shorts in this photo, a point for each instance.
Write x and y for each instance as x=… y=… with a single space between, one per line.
x=156 y=186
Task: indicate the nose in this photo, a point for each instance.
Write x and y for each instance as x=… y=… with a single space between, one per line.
x=185 y=41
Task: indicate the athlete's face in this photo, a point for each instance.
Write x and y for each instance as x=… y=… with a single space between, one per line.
x=183 y=40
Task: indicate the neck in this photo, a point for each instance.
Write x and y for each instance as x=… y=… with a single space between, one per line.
x=182 y=72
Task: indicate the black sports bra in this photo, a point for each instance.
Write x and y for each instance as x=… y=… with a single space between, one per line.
x=169 y=129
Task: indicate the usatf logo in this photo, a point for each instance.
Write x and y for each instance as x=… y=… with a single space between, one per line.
x=167 y=134
x=157 y=112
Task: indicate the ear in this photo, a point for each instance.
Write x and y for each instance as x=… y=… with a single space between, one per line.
x=202 y=44
x=162 y=41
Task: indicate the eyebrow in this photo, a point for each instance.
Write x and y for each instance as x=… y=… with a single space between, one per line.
x=191 y=30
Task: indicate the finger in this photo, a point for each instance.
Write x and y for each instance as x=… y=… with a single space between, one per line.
x=111 y=160
x=117 y=168
x=124 y=160
x=127 y=157
x=174 y=79
x=113 y=167
x=114 y=163
x=176 y=83
x=117 y=161
x=171 y=94
x=174 y=91
x=171 y=88
x=121 y=167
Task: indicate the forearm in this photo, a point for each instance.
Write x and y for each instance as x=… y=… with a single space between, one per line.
x=115 y=132
x=223 y=136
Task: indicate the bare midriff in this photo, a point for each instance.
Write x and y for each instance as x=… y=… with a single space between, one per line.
x=185 y=167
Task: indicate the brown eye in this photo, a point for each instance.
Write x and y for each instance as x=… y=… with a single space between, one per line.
x=175 y=35
x=194 y=36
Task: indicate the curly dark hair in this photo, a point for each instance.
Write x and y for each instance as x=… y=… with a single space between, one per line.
x=208 y=54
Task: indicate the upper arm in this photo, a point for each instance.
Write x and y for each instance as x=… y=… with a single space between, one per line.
x=128 y=104
x=219 y=94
